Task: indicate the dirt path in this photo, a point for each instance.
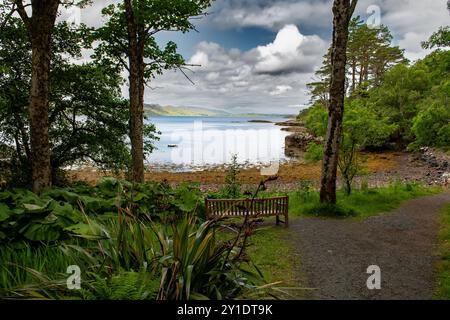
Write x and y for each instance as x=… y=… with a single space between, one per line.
x=335 y=254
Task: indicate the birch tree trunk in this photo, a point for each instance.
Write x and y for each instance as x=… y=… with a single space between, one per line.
x=343 y=11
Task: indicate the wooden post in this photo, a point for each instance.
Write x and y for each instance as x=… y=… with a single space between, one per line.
x=286 y=216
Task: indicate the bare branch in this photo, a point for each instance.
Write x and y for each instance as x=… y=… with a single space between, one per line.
x=184 y=73
x=192 y=65
x=352 y=9
x=8 y=16
x=123 y=63
x=23 y=14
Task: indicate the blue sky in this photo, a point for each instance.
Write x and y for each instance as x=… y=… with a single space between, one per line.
x=244 y=38
x=258 y=55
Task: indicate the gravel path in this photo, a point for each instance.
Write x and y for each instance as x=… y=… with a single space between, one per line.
x=335 y=254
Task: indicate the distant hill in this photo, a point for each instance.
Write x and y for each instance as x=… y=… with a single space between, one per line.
x=154 y=110
x=169 y=111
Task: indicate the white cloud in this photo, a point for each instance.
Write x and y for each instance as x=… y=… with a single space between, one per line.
x=267 y=78
x=411 y=42
x=412 y=22
x=270 y=14
x=279 y=90
x=200 y=59
x=291 y=51
x=212 y=76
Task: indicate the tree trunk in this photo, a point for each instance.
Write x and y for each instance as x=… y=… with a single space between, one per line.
x=361 y=74
x=136 y=79
x=38 y=110
x=348 y=189
x=137 y=120
x=40 y=29
x=342 y=14
x=353 y=75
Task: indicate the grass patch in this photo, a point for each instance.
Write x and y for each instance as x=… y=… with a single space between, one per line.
x=361 y=203
x=443 y=291
x=330 y=210
x=45 y=259
x=273 y=255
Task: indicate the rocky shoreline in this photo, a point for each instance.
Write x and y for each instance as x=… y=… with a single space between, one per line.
x=428 y=166
x=297 y=142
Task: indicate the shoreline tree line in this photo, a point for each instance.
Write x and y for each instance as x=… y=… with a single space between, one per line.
x=368 y=96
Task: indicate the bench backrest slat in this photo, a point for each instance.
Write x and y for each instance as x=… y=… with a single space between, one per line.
x=242 y=207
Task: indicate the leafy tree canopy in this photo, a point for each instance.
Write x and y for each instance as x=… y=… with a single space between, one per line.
x=150 y=17
x=410 y=107
x=88 y=118
x=439 y=39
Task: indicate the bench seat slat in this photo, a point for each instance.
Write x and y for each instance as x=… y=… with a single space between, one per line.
x=226 y=208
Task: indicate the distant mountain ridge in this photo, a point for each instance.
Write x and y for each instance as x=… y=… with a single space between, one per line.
x=154 y=110
x=170 y=111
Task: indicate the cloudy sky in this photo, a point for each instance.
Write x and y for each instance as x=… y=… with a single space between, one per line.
x=258 y=55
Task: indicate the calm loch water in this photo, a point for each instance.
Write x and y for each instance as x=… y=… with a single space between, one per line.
x=209 y=141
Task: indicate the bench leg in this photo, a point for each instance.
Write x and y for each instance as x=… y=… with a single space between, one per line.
x=286 y=221
x=278 y=220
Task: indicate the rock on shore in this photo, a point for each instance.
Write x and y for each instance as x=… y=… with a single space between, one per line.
x=439 y=164
x=291 y=123
x=297 y=143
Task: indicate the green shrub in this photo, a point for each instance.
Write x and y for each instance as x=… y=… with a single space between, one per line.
x=330 y=210
x=232 y=188
x=305 y=190
x=53 y=215
x=317 y=120
x=365 y=186
x=195 y=265
x=432 y=128
x=124 y=286
x=443 y=139
x=314 y=152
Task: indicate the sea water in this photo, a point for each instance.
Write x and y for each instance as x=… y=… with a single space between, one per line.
x=211 y=141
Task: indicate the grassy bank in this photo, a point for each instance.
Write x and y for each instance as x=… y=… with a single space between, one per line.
x=361 y=203
x=271 y=253
x=443 y=291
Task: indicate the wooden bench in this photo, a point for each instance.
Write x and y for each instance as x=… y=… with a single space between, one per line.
x=221 y=208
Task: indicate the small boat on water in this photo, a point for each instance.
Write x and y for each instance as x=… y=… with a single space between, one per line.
x=172 y=146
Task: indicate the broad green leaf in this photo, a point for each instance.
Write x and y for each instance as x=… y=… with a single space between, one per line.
x=90 y=231
x=36 y=231
x=34 y=207
x=5 y=195
x=5 y=212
